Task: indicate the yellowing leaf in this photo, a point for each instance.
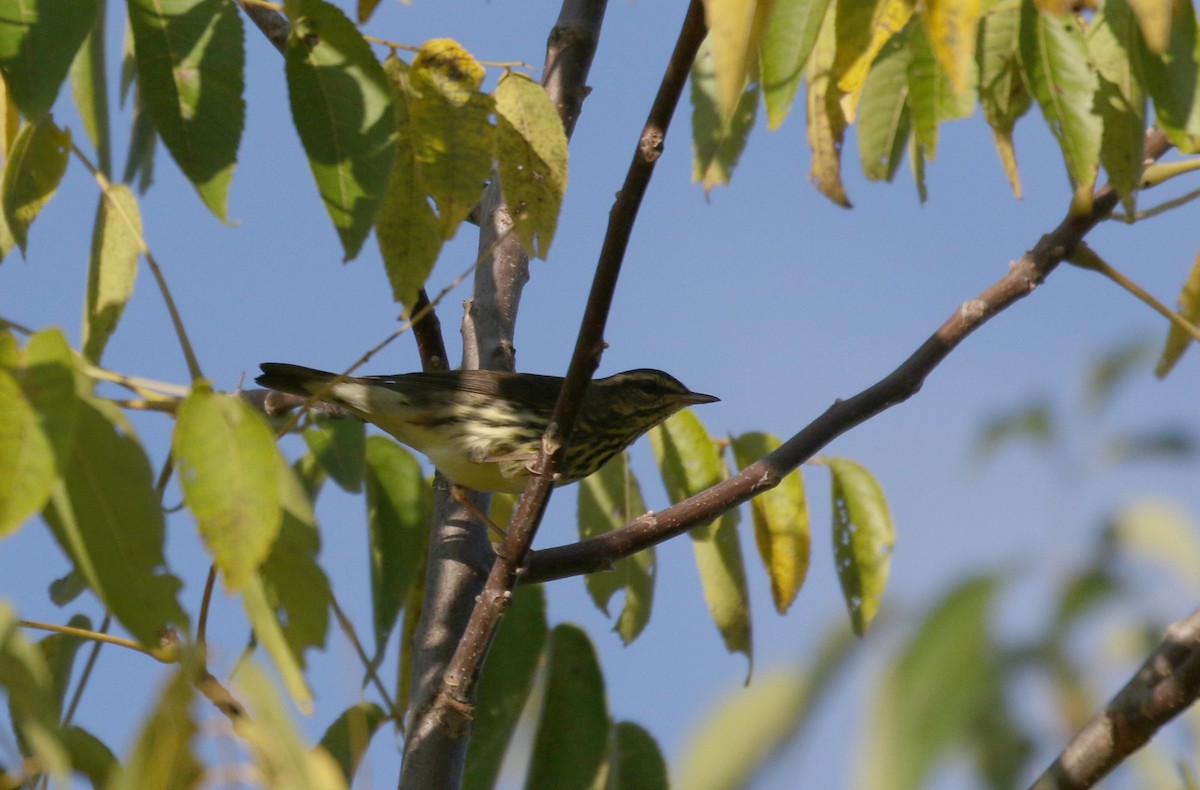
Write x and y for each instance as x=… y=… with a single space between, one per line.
x=1154 y=18
x=1002 y=92
x=735 y=29
x=863 y=537
x=952 y=27
x=890 y=18
x=781 y=524
x=452 y=70
x=1189 y=307
x=826 y=123
x=531 y=148
x=453 y=138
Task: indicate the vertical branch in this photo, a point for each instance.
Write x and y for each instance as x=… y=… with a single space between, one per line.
x=452 y=707
x=459 y=550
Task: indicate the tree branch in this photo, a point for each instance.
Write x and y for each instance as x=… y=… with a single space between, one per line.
x=459 y=549
x=452 y=706
x=1024 y=275
x=1166 y=684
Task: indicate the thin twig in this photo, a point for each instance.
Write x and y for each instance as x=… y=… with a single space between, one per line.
x=1086 y=258
x=95 y=636
x=348 y=629
x=185 y=344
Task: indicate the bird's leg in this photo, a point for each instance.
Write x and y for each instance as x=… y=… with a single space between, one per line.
x=462 y=496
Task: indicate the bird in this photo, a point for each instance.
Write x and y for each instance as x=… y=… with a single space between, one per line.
x=483 y=429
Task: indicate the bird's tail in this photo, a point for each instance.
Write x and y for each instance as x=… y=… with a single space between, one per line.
x=293 y=379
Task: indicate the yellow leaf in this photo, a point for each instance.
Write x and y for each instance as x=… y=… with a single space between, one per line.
x=781 y=522
x=952 y=26
x=1154 y=18
x=1008 y=159
x=735 y=30
x=451 y=68
x=890 y=17
x=1189 y=308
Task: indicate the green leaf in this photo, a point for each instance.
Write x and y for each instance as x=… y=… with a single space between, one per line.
x=139 y=159
x=531 y=149
x=90 y=90
x=781 y=522
x=407 y=228
x=1033 y=423
x=90 y=756
x=399 y=509
x=280 y=754
x=1055 y=60
x=454 y=141
x=747 y=726
x=607 y=500
x=1113 y=42
x=1116 y=366
x=863 y=537
x=1189 y=307
x=32 y=172
x=717 y=139
x=190 y=65
x=635 y=761
x=29 y=687
x=295 y=585
x=930 y=93
x=269 y=633
x=690 y=463
x=112 y=266
x=1173 y=80
x=572 y=732
x=787 y=42
x=504 y=686
x=342 y=109
x=38 y=414
x=339 y=445
x=348 y=737
x=58 y=651
x=162 y=757
x=107 y=517
x=884 y=117
x=942 y=682
x=228 y=467
x=1002 y=92
x=38 y=40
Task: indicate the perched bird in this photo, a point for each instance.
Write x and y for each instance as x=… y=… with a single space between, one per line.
x=483 y=429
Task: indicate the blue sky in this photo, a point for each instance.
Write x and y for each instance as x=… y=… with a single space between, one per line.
x=763 y=293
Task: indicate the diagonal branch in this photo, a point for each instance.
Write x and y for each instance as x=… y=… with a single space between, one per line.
x=1024 y=275
x=1163 y=687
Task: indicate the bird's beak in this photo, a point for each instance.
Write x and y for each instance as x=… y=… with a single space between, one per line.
x=697 y=398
